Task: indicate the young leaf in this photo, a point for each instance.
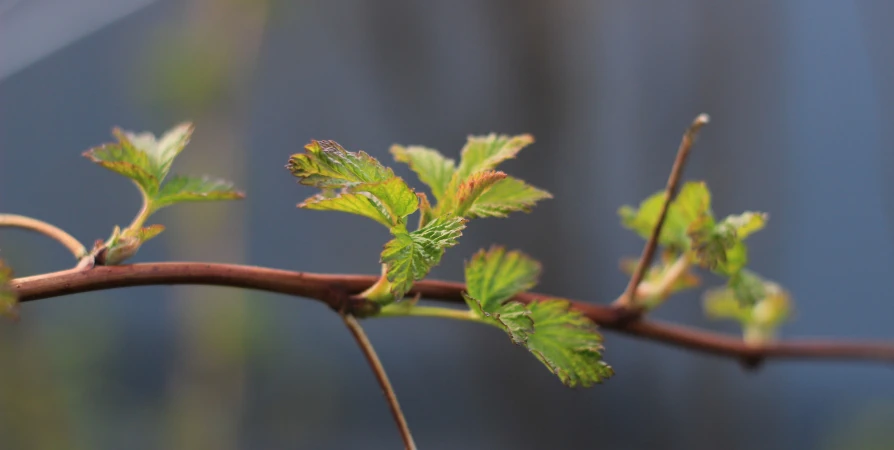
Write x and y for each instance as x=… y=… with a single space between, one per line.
x=495 y=276
x=409 y=256
x=760 y=306
x=9 y=301
x=692 y=203
x=486 y=152
x=432 y=168
x=471 y=189
x=719 y=247
x=194 y=189
x=426 y=213
x=506 y=196
x=388 y=202
x=327 y=165
x=512 y=317
x=567 y=343
x=123 y=158
x=563 y=340
x=160 y=152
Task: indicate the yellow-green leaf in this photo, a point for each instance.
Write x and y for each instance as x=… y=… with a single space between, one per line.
x=327 y=165
x=506 y=196
x=183 y=188
x=410 y=256
x=494 y=276
x=567 y=343
x=486 y=152
x=472 y=189
x=9 y=300
x=692 y=203
x=432 y=168
x=388 y=202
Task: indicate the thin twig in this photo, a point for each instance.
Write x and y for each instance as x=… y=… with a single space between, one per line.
x=628 y=299
x=52 y=231
x=320 y=287
x=373 y=359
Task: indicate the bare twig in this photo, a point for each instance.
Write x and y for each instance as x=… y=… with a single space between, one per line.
x=628 y=298
x=320 y=287
x=52 y=231
x=373 y=359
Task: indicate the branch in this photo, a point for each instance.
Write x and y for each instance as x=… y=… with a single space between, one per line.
x=628 y=299
x=39 y=226
x=370 y=353
x=322 y=286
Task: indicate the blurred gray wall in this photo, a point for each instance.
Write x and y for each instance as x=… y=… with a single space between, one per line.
x=801 y=104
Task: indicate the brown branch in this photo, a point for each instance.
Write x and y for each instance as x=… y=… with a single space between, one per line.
x=628 y=298
x=28 y=223
x=321 y=287
x=373 y=359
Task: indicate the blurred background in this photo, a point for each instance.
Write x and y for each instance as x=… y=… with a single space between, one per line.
x=801 y=100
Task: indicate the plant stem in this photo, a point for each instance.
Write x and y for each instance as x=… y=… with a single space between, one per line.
x=320 y=287
x=373 y=359
x=659 y=288
x=400 y=310
x=628 y=298
x=39 y=226
x=145 y=212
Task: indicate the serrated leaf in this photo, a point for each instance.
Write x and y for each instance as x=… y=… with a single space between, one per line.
x=506 y=196
x=692 y=203
x=123 y=158
x=9 y=300
x=512 y=317
x=486 y=152
x=426 y=213
x=162 y=151
x=472 y=189
x=494 y=276
x=719 y=247
x=388 y=202
x=567 y=343
x=410 y=256
x=744 y=224
x=432 y=168
x=327 y=165
x=760 y=306
x=182 y=188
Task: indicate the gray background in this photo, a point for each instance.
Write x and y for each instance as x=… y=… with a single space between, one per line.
x=801 y=98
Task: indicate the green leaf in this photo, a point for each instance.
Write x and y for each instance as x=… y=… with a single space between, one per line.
x=719 y=247
x=471 y=189
x=123 y=158
x=760 y=306
x=512 y=317
x=388 y=202
x=506 y=196
x=495 y=276
x=567 y=343
x=410 y=256
x=160 y=152
x=194 y=189
x=692 y=203
x=433 y=168
x=9 y=300
x=426 y=213
x=327 y=165
x=486 y=152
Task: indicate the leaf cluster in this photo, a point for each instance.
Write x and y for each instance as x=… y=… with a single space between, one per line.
x=565 y=341
x=147 y=161
x=691 y=235
x=357 y=183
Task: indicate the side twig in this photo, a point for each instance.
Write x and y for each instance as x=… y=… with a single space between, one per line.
x=49 y=230
x=320 y=287
x=373 y=359
x=628 y=298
